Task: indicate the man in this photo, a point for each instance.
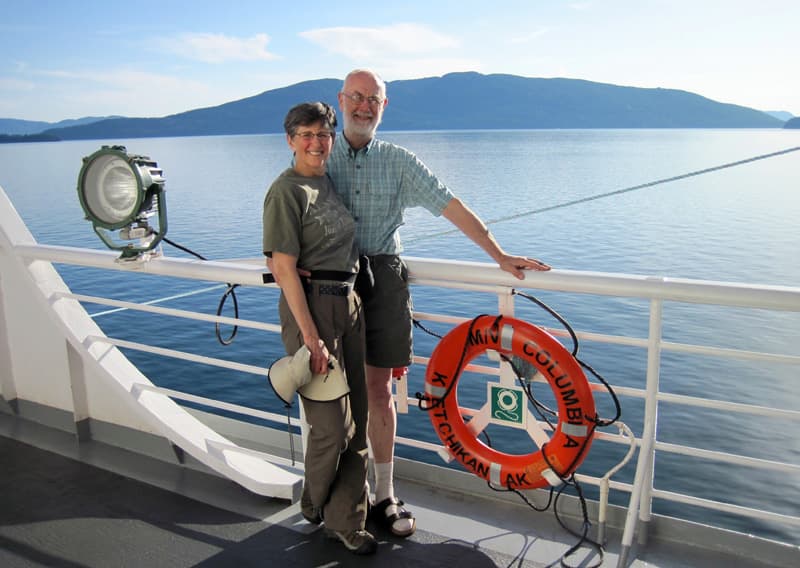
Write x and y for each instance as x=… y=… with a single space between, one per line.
x=377 y=182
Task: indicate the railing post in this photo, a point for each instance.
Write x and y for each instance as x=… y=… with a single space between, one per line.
x=641 y=494
x=505 y=302
x=505 y=306
x=8 y=387
x=651 y=413
x=80 y=400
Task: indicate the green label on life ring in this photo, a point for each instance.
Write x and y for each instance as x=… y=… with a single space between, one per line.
x=507 y=404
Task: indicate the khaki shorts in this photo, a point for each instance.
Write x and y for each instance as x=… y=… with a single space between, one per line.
x=388 y=314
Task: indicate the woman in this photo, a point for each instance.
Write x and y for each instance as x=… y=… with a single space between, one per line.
x=307 y=227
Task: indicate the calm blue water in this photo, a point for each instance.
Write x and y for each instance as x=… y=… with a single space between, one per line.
x=737 y=224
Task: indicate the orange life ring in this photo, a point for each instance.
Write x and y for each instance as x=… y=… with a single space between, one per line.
x=576 y=410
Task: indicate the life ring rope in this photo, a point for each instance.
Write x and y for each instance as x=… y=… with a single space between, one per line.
x=550 y=473
x=556 y=460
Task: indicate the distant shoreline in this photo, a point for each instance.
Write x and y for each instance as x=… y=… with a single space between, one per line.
x=17 y=138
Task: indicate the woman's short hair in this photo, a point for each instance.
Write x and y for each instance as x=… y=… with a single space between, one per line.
x=309 y=113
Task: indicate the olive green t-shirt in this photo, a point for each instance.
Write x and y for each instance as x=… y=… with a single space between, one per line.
x=305 y=218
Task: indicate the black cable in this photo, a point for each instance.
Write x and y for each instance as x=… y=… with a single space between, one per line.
x=418 y=324
x=585 y=525
x=614 y=398
x=569 y=480
x=565 y=482
x=553 y=313
x=435 y=402
x=230 y=291
x=575 y=348
x=183 y=248
x=520 y=494
x=543 y=410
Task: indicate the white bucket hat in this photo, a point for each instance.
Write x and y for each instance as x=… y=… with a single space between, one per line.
x=292 y=374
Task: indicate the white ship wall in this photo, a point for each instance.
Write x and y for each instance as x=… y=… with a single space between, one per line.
x=34 y=359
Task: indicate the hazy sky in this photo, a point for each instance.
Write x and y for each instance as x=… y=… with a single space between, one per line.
x=68 y=59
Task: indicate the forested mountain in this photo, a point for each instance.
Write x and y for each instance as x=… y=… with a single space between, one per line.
x=452 y=102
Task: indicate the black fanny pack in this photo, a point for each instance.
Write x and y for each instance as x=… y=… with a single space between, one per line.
x=365 y=280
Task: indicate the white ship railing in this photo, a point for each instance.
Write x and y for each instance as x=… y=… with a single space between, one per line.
x=488 y=278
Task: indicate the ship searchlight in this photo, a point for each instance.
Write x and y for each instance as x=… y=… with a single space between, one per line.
x=120 y=193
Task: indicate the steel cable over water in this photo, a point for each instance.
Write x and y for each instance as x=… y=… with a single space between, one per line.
x=612 y=193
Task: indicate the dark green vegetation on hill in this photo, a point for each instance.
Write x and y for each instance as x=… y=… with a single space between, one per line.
x=453 y=102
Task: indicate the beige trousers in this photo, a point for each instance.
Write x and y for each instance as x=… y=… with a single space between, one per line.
x=336 y=452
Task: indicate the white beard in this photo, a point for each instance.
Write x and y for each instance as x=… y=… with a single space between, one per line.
x=359 y=128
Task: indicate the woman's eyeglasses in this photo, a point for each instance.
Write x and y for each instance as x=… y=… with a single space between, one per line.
x=308 y=136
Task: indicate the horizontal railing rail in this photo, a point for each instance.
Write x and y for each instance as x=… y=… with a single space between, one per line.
x=480 y=277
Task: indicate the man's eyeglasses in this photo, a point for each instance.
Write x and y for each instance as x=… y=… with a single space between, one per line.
x=308 y=136
x=358 y=98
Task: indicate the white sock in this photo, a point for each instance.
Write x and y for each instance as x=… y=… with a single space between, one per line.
x=384 y=489
x=384 y=481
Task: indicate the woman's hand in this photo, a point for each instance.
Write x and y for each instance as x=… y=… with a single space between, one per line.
x=319 y=356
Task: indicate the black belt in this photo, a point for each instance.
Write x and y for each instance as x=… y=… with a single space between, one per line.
x=333 y=289
x=335 y=275
x=339 y=283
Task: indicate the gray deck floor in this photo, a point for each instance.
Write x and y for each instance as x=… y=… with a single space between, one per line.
x=56 y=510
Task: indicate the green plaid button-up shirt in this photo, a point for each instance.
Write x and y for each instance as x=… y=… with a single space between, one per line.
x=377 y=184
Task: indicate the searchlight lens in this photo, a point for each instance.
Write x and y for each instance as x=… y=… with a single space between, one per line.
x=111 y=190
x=119 y=193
